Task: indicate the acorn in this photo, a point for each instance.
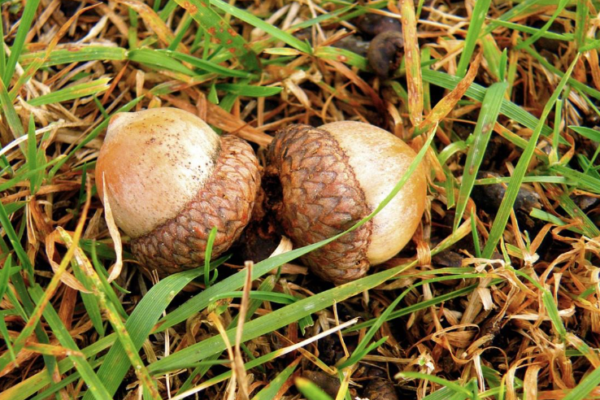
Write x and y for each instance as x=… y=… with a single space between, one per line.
x=169 y=179
x=332 y=177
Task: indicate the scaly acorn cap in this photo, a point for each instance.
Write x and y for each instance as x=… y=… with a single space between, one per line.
x=170 y=179
x=333 y=176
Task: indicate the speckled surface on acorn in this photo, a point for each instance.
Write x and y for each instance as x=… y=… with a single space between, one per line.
x=333 y=176
x=169 y=179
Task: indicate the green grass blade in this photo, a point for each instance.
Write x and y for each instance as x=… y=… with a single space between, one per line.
x=581 y=23
x=311 y=390
x=424 y=304
x=540 y=33
x=527 y=179
x=20 y=295
x=278 y=298
x=591 y=44
x=270 y=391
x=248 y=90
x=2 y=53
x=35 y=157
x=16 y=243
x=412 y=63
x=103 y=274
x=477 y=92
x=547 y=217
x=151 y=19
x=364 y=347
x=493 y=57
x=217 y=27
x=74 y=92
x=78 y=53
x=6 y=338
x=167 y=10
x=158 y=60
x=27 y=175
x=5 y=273
x=337 y=54
x=12 y=118
x=589 y=227
x=208 y=255
x=520 y=170
x=584 y=181
x=527 y=7
x=585 y=386
x=565 y=37
x=267 y=285
x=26 y=310
x=458 y=388
x=443 y=394
x=490 y=109
x=13 y=208
x=475 y=28
x=208 y=66
x=257 y=362
x=112 y=315
x=25 y=389
x=274 y=320
x=89 y=301
x=586 y=132
x=17 y=47
x=52 y=389
x=91 y=380
x=132 y=29
x=139 y=324
x=552 y=310
x=590 y=91
x=554 y=156
x=451 y=150
x=256 y=22
x=549 y=303
x=182 y=29
x=360 y=352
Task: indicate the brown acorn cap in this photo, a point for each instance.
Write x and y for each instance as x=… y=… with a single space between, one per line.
x=170 y=179
x=321 y=198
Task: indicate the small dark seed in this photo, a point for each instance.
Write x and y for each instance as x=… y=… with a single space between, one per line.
x=489 y=197
x=385 y=53
x=380 y=389
x=374 y=24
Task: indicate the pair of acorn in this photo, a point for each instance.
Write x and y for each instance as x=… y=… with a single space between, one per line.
x=169 y=179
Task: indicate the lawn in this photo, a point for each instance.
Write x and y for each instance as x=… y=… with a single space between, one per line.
x=495 y=296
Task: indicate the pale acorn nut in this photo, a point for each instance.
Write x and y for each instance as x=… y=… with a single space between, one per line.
x=333 y=176
x=169 y=180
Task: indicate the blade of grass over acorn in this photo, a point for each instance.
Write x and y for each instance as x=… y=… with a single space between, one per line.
x=491 y=290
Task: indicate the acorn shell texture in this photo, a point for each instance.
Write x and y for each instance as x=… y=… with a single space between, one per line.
x=170 y=179
x=332 y=177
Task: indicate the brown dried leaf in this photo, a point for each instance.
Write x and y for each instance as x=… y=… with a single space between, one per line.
x=412 y=58
x=154 y=22
x=448 y=102
x=115 y=235
x=66 y=277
